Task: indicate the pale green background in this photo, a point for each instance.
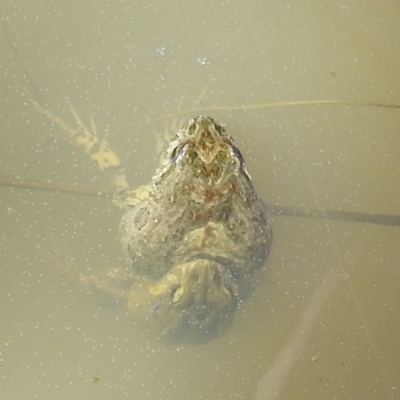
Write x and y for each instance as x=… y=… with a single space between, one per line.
x=324 y=320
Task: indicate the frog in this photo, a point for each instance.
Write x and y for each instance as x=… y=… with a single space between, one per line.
x=191 y=238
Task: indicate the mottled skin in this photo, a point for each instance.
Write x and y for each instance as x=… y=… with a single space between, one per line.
x=200 y=230
x=192 y=237
x=202 y=183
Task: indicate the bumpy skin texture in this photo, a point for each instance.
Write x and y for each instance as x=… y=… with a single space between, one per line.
x=192 y=237
x=197 y=233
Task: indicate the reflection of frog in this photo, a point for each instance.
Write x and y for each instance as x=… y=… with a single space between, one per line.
x=192 y=235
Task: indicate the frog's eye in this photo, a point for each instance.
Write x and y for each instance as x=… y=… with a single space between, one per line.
x=237 y=153
x=174 y=152
x=177 y=153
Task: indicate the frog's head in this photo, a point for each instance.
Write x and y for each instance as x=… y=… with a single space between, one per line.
x=206 y=159
x=205 y=139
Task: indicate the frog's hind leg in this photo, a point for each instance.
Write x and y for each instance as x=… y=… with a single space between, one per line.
x=100 y=152
x=88 y=139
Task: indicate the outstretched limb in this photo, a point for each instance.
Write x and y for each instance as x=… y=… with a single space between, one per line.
x=82 y=136
x=100 y=152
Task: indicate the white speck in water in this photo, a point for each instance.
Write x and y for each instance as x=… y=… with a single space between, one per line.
x=203 y=61
x=161 y=51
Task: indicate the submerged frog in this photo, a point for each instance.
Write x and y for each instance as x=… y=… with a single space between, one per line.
x=191 y=237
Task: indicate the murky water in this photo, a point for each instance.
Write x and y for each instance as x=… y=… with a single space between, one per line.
x=323 y=320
